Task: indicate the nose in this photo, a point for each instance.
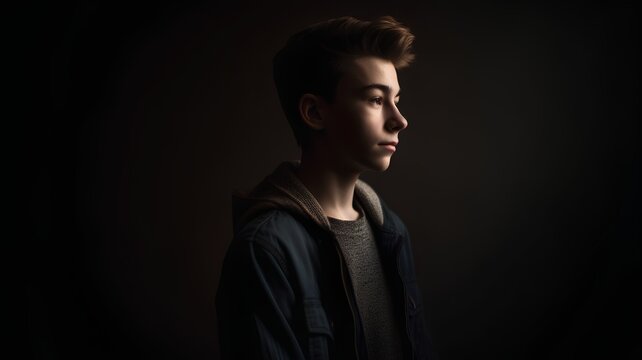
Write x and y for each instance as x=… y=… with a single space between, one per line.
x=395 y=122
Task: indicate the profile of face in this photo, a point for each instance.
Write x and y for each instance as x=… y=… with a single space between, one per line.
x=363 y=116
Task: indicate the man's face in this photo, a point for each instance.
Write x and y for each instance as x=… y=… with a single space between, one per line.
x=364 y=115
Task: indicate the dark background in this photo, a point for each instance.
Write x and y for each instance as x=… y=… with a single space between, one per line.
x=518 y=176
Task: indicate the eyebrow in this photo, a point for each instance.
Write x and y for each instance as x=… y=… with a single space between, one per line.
x=382 y=87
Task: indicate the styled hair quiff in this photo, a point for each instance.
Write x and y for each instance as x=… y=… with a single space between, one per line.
x=310 y=60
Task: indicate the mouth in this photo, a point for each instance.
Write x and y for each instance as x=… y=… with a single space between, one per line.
x=391 y=145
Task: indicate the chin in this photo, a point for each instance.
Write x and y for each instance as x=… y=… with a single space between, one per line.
x=375 y=162
x=380 y=164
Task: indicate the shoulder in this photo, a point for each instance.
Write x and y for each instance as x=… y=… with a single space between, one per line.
x=262 y=239
x=378 y=208
x=391 y=219
x=282 y=237
x=270 y=228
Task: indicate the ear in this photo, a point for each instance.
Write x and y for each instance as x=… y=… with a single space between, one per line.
x=310 y=111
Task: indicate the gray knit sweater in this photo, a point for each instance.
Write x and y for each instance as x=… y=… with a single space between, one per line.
x=371 y=289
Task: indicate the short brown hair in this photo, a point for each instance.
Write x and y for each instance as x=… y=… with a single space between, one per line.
x=309 y=62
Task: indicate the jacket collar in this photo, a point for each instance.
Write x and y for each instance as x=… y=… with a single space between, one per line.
x=284 y=190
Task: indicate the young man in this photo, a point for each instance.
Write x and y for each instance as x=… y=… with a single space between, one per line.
x=320 y=267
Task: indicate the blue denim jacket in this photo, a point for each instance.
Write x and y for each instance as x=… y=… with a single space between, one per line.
x=285 y=292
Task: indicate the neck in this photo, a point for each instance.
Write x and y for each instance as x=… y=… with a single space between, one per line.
x=331 y=184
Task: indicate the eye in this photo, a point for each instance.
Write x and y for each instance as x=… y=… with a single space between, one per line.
x=377 y=100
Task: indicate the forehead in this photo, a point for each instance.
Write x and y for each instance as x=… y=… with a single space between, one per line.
x=363 y=71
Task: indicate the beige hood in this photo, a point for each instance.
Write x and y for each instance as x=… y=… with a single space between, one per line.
x=282 y=189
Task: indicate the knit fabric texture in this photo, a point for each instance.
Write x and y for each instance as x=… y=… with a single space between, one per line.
x=372 y=292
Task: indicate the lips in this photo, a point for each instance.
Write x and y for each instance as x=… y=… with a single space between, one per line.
x=390 y=145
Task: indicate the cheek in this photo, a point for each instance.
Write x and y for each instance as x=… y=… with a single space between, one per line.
x=345 y=125
x=359 y=122
x=354 y=127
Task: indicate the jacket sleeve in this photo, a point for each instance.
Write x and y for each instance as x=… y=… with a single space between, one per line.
x=255 y=304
